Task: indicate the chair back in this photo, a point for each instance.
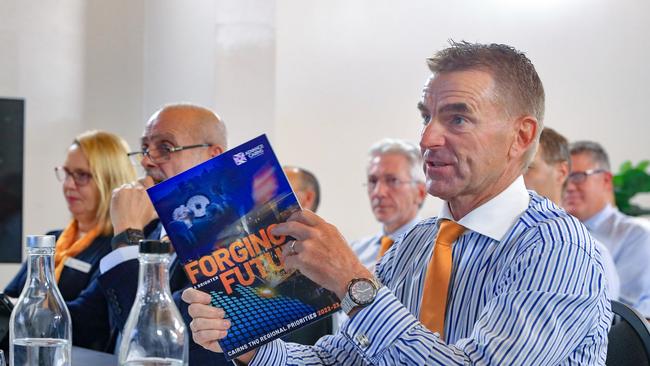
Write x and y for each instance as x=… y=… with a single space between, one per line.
x=629 y=338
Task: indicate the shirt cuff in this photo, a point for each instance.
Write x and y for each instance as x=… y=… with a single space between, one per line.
x=376 y=327
x=118 y=256
x=273 y=353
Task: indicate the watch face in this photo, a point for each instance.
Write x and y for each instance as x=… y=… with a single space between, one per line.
x=363 y=292
x=134 y=236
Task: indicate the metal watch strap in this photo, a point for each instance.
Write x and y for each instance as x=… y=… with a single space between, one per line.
x=347 y=304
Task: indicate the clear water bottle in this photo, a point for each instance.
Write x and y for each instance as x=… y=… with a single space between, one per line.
x=154 y=334
x=40 y=329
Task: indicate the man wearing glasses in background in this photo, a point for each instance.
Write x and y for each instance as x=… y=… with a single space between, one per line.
x=548 y=175
x=176 y=138
x=588 y=197
x=396 y=192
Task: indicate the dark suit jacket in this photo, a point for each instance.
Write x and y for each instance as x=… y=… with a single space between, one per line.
x=72 y=281
x=109 y=300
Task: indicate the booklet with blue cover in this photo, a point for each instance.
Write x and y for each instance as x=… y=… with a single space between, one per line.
x=218 y=216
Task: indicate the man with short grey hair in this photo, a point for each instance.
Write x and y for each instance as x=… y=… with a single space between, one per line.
x=588 y=197
x=396 y=190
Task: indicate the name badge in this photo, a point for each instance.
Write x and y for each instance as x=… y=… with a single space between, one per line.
x=77 y=264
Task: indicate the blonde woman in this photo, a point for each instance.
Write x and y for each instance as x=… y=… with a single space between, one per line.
x=95 y=164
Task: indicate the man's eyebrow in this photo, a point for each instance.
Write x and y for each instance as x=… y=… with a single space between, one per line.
x=454 y=107
x=164 y=137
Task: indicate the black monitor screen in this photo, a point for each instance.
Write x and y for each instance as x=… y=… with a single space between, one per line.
x=11 y=179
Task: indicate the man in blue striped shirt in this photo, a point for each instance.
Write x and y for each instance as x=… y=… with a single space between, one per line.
x=526 y=285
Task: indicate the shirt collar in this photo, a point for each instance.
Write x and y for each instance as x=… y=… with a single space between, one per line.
x=597 y=219
x=402 y=229
x=495 y=217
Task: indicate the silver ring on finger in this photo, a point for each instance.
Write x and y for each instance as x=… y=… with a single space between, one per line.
x=292 y=248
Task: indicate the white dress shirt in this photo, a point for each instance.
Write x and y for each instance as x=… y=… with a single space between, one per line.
x=628 y=240
x=127 y=253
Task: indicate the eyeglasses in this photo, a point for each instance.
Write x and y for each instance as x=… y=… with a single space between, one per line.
x=160 y=153
x=389 y=181
x=581 y=177
x=79 y=177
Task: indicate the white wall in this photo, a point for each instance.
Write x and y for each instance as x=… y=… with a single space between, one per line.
x=42 y=61
x=245 y=67
x=324 y=79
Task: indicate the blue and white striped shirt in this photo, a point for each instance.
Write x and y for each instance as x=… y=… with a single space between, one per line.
x=527 y=288
x=367 y=250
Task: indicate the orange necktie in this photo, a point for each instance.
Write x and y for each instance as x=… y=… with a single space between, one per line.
x=436 y=283
x=386 y=242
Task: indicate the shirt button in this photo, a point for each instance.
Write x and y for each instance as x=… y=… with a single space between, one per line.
x=362 y=340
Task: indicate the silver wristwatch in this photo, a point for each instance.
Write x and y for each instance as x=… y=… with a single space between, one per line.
x=361 y=292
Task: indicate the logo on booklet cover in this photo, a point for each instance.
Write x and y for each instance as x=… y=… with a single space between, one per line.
x=239 y=158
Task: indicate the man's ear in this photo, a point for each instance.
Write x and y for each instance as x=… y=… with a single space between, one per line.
x=608 y=178
x=422 y=193
x=525 y=132
x=310 y=198
x=215 y=150
x=562 y=169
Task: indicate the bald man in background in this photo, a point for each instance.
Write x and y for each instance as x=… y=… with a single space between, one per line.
x=305 y=186
x=547 y=174
x=307 y=190
x=176 y=138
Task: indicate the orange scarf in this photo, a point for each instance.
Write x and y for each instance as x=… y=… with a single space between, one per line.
x=66 y=246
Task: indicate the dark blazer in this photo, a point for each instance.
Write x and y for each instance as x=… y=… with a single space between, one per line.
x=72 y=281
x=114 y=292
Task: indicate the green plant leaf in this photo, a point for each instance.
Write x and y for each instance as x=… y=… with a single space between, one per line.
x=629 y=181
x=627 y=165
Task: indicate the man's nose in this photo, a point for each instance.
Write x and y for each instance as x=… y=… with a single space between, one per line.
x=570 y=186
x=147 y=162
x=433 y=134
